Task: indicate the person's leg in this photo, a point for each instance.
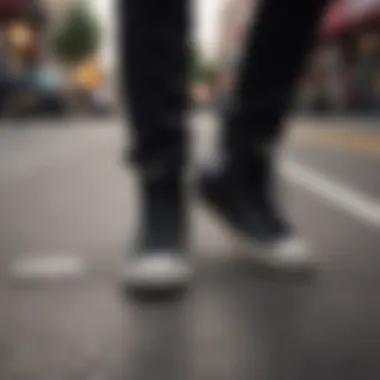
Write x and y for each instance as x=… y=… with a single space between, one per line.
x=275 y=53
x=276 y=50
x=154 y=71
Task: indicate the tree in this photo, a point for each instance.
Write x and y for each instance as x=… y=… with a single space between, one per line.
x=200 y=70
x=79 y=35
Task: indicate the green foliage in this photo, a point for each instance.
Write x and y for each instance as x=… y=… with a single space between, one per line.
x=79 y=35
x=200 y=71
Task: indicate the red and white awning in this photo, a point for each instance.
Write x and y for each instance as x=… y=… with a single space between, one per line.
x=10 y=8
x=344 y=15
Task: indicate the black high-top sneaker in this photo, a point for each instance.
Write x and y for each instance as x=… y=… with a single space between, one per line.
x=160 y=260
x=242 y=194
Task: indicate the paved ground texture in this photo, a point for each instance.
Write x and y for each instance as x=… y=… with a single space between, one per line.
x=65 y=197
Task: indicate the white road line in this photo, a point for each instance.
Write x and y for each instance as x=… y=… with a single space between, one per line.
x=360 y=206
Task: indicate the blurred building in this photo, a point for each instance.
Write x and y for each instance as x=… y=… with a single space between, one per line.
x=56 y=8
x=234 y=20
x=22 y=24
x=30 y=11
x=30 y=69
x=235 y=17
x=10 y=9
x=346 y=64
x=344 y=70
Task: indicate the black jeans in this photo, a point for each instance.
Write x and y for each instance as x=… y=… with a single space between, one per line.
x=154 y=47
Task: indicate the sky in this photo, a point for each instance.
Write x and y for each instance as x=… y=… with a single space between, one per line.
x=207 y=25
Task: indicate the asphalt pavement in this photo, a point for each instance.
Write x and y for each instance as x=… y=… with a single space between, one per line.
x=65 y=196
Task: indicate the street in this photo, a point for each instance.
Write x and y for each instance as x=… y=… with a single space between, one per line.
x=65 y=194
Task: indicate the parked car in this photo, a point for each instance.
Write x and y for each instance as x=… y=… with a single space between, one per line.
x=47 y=83
x=33 y=93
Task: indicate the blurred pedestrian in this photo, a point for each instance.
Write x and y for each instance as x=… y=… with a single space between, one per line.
x=7 y=79
x=3 y=73
x=154 y=51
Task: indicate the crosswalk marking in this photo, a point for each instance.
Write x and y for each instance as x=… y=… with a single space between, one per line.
x=47 y=266
x=360 y=206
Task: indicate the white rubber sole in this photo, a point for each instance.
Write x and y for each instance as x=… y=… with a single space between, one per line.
x=291 y=253
x=157 y=271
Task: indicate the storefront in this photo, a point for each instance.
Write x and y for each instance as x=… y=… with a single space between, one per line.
x=22 y=27
x=349 y=53
x=9 y=9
